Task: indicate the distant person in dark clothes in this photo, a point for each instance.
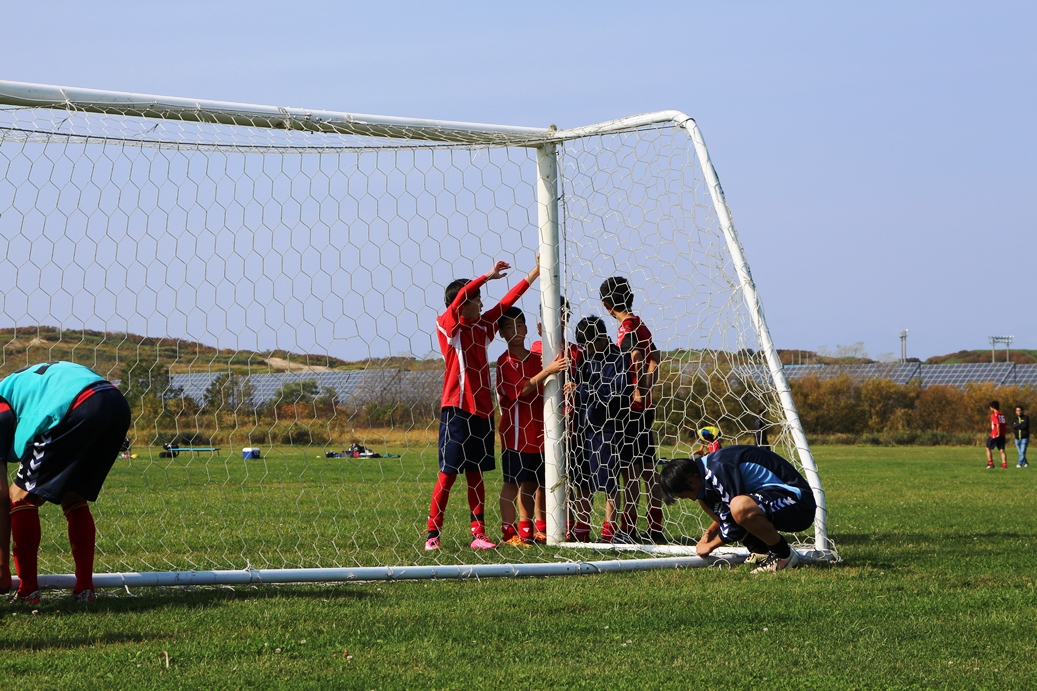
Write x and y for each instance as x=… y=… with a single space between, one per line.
x=996 y=440
x=1022 y=435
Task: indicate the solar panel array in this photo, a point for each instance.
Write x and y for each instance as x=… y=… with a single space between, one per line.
x=901 y=373
x=1001 y=373
x=355 y=387
x=1023 y=375
x=960 y=375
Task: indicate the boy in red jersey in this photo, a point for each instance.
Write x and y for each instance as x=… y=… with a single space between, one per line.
x=466 y=421
x=639 y=457
x=520 y=378
x=998 y=426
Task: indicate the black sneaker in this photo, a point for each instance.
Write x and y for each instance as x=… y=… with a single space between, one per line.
x=755 y=558
x=775 y=563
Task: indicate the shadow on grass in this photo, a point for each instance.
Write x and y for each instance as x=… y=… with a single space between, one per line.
x=906 y=539
x=55 y=604
x=60 y=643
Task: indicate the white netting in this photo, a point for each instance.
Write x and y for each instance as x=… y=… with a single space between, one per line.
x=276 y=289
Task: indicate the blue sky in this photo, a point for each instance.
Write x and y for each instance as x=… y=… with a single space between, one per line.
x=879 y=159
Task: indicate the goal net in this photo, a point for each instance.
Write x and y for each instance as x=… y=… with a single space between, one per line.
x=264 y=286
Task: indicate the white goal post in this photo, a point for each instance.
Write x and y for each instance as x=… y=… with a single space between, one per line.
x=209 y=253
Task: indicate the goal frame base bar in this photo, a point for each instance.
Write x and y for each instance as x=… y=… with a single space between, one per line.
x=406 y=573
x=732 y=555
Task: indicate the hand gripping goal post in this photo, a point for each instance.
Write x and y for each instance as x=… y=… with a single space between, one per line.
x=269 y=278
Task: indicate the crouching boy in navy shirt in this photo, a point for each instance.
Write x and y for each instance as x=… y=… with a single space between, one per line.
x=750 y=493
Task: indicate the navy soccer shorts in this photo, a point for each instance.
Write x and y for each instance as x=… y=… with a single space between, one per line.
x=465 y=442
x=788 y=513
x=522 y=467
x=577 y=464
x=77 y=453
x=603 y=455
x=996 y=443
x=639 y=447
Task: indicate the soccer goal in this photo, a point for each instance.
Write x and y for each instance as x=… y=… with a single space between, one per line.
x=264 y=283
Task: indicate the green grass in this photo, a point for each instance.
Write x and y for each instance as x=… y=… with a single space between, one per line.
x=293 y=508
x=936 y=589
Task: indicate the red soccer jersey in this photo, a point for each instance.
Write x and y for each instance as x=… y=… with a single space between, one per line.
x=466 y=381
x=997 y=424
x=634 y=335
x=714 y=445
x=521 y=417
x=575 y=354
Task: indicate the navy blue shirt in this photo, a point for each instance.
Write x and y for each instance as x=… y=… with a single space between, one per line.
x=604 y=391
x=740 y=470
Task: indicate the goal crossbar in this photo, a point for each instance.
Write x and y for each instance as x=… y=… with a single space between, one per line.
x=30 y=95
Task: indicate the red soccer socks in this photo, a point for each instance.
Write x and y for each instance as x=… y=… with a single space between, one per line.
x=655 y=518
x=82 y=535
x=440 y=496
x=476 y=501
x=5 y=545
x=25 y=533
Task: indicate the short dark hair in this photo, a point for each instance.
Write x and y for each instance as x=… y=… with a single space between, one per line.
x=590 y=329
x=453 y=288
x=996 y=405
x=1021 y=407
x=511 y=313
x=616 y=293
x=674 y=476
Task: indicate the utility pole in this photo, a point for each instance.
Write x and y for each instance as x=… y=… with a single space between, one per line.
x=903 y=346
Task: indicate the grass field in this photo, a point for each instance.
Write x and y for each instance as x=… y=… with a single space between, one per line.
x=293 y=508
x=936 y=589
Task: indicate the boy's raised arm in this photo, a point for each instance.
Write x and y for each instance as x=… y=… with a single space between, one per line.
x=509 y=300
x=465 y=293
x=499 y=270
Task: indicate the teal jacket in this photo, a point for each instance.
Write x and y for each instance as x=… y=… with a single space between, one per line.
x=39 y=396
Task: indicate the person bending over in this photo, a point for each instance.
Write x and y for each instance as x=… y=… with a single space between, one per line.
x=64 y=425
x=751 y=494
